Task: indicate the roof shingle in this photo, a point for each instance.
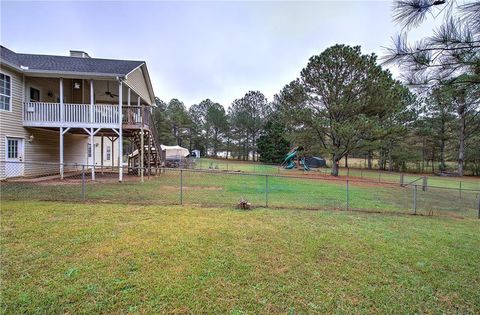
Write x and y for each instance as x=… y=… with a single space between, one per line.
x=69 y=64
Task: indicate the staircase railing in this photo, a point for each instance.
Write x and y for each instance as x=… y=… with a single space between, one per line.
x=148 y=120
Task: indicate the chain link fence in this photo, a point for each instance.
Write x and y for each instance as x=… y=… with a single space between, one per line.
x=214 y=187
x=377 y=175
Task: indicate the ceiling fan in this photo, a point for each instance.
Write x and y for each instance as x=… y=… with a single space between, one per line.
x=108 y=91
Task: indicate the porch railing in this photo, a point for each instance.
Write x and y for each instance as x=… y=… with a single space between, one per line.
x=77 y=113
x=80 y=115
x=137 y=115
x=41 y=112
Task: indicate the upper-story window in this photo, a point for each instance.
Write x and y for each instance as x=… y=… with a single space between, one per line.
x=34 y=95
x=5 y=92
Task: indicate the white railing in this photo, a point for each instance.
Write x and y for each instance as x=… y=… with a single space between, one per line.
x=41 y=112
x=77 y=113
x=105 y=114
x=49 y=114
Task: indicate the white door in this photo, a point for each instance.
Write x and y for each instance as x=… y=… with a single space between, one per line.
x=14 y=157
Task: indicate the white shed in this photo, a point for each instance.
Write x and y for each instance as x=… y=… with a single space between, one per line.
x=174 y=152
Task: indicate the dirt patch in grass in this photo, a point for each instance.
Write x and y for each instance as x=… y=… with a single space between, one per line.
x=176 y=188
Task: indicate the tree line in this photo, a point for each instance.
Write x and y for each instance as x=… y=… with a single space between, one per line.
x=345 y=104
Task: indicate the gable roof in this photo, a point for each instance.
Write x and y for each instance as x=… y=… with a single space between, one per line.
x=75 y=66
x=63 y=64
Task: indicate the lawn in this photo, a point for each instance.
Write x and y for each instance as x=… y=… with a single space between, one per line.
x=216 y=188
x=467 y=182
x=111 y=258
x=219 y=189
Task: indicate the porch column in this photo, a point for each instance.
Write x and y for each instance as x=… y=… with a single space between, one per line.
x=92 y=151
x=120 y=134
x=149 y=161
x=112 y=140
x=61 y=152
x=139 y=112
x=101 y=152
x=62 y=108
x=92 y=96
x=62 y=120
x=129 y=112
x=142 y=148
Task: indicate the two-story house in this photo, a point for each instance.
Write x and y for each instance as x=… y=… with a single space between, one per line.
x=60 y=109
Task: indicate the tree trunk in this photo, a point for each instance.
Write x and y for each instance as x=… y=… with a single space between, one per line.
x=215 y=141
x=335 y=165
x=442 y=156
x=245 y=149
x=423 y=155
x=190 y=140
x=442 y=147
x=381 y=160
x=228 y=145
x=433 y=159
x=346 y=160
x=461 y=149
x=253 y=147
x=369 y=160
x=390 y=162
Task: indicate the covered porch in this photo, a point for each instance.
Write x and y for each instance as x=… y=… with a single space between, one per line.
x=94 y=107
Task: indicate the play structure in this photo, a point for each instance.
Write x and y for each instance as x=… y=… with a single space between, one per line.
x=295 y=154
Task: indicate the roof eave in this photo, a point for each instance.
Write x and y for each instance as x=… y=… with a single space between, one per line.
x=64 y=74
x=149 y=83
x=10 y=65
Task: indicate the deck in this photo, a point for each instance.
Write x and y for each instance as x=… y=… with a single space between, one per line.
x=56 y=115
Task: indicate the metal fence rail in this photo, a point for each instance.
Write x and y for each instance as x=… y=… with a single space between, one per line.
x=213 y=187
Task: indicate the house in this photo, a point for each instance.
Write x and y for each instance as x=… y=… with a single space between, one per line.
x=55 y=111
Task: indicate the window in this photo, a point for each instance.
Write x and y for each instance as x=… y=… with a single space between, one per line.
x=89 y=150
x=5 y=92
x=34 y=95
x=12 y=150
x=109 y=153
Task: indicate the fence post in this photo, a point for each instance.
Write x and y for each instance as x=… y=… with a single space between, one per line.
x=348 y=196
x=460 y=189
x=83 y=182
x=479 y=206
x=266 y=191
x=424 y=183
x=401 y=179
x=415 y=199
x=181 y=187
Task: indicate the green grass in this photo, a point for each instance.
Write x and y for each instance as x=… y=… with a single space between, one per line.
x=467 y=182
x=110 y=258
x=226 y=189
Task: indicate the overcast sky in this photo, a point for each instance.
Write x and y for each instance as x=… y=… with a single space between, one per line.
x=199 y=50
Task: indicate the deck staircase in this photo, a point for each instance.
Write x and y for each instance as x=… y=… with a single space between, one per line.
x=152 y=153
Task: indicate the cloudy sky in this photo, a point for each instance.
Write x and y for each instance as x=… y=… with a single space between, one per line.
x=198 y=50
